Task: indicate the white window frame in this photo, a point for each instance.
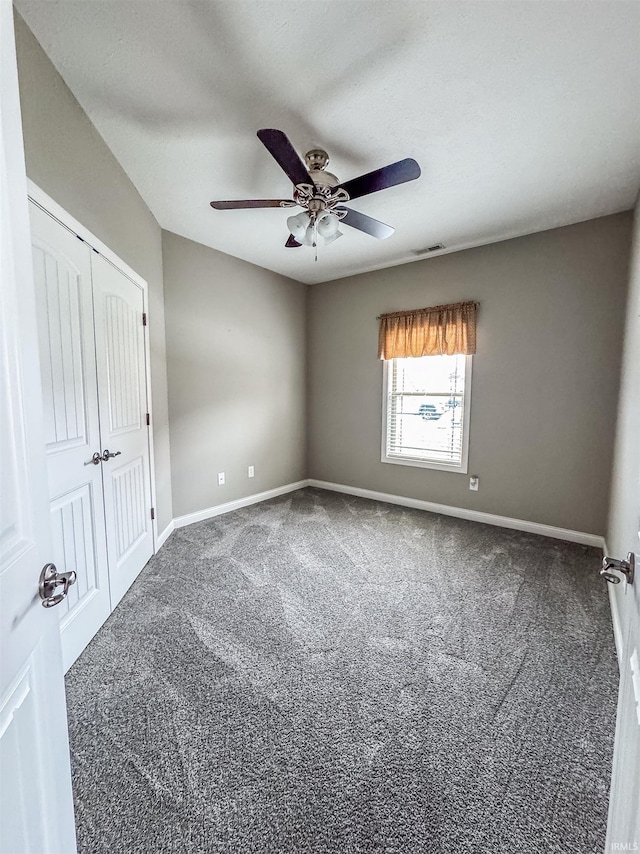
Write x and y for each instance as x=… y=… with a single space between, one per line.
x=462 y=468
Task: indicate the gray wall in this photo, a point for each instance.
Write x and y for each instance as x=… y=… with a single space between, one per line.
x=544 y=381
x=545 y=378
x=69 y=160
x=236 y=360
x=624 y=521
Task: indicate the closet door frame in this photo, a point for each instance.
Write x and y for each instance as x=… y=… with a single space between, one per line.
x=44 y=201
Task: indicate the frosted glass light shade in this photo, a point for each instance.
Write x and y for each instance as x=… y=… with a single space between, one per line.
x=298 y=225
x=332 y=237
x=328 y=225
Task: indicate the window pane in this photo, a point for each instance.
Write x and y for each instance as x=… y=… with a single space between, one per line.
x=425 y=412
x=432 y=374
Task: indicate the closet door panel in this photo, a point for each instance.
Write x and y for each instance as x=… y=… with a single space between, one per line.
x=62 y=271
x=125 y=388
x=119 y=305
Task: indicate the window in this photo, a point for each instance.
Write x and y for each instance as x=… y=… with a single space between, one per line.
x=426 y=412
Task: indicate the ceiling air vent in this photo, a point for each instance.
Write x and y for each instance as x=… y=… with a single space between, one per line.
x=435 y=248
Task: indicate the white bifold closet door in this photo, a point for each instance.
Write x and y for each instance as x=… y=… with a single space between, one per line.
x=118 y=306
x=94 y=394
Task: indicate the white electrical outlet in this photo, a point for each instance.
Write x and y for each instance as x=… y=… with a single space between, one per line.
x=474 y=483
x=220 y=478
x=251 y=471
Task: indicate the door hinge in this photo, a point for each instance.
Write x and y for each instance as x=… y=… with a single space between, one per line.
x=144 y=318
x=148 y=419
x=153 y=512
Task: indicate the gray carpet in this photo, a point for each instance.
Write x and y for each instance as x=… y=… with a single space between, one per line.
x=322 y=673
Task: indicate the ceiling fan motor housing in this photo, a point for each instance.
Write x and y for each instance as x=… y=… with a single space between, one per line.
x=323 y=179
x=317 y=161
x=322 y=194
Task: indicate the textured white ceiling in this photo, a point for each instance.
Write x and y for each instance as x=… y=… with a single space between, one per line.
x=522 y=115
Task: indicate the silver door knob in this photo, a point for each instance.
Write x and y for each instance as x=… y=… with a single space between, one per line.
x=107 y=454
x=95 y=460
x=626 y=567
x=54 y=585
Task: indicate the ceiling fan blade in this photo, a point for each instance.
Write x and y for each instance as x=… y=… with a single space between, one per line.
x=367 y=224
x=279 y=147
x=291 y=242
x=236 y=204
x=380 y=179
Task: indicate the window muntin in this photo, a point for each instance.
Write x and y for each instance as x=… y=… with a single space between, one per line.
x=426 y=411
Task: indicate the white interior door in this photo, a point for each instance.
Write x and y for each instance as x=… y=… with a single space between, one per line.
x=62 y=272
x=623 y=832
x=118 y=311
x=36 y=808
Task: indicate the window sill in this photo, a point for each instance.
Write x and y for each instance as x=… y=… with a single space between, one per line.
x=427 y=464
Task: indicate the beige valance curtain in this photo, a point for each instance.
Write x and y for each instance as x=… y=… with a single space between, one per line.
x=437 y=331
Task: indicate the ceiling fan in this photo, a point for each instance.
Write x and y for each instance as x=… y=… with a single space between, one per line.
x=321 y=194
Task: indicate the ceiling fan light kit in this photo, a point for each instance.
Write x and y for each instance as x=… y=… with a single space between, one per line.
x=304 y=228
x=321 y=195
x=328 y=224
x=298 y=225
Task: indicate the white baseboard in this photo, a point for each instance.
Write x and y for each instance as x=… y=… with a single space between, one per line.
x=471 y=515
x=163 y=537
x=445 y=509
x=219 y=509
